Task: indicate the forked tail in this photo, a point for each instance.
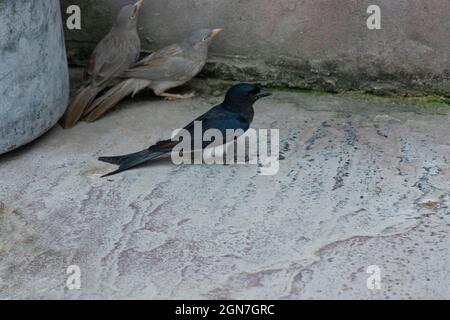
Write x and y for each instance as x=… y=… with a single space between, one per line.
x=130 y=161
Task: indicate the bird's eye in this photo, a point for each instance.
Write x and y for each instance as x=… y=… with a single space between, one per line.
x=205 y=39
x=247 y=94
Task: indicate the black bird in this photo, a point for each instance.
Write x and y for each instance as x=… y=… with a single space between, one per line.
x=235 y=112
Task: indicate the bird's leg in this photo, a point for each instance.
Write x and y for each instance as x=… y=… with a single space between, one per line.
x=226 y=151
x=236 y=157
x=173 y=96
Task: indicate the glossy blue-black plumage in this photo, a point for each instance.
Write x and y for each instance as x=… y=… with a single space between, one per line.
x=234 y=113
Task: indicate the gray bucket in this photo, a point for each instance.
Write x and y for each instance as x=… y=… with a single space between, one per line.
x=34 y=81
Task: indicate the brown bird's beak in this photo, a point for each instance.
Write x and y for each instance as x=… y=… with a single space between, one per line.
x=138 y=5
x=214 y=33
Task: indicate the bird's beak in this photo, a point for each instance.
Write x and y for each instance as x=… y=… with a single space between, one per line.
x=263 y=93
x=214 y=33
x=139 y=5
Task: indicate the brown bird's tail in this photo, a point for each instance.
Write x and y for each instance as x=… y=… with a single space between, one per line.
x=113 y=96
x=77 y=106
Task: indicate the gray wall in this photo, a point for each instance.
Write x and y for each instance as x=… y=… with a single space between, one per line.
x=300 y=43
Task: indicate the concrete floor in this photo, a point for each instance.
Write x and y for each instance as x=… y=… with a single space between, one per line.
x=365 y=181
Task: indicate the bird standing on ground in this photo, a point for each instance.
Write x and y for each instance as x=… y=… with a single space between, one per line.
x=114 y=54
x=236 y=112
x=165 y=69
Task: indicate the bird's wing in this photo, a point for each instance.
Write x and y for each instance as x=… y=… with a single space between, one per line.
x=168 y=64
x=224 y=120
x=216 y=118
x=190 y=126
x=113 y=55
x=153 y=58
x=221 y=119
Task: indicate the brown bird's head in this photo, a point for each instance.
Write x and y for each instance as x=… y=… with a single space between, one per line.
x=203 y=37
x=128 y=15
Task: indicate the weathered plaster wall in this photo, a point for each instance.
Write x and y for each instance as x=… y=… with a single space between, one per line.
x=34 y=81
x=300 y=43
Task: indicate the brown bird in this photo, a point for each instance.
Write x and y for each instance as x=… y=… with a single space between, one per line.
x=165 y=69
x=115 y=53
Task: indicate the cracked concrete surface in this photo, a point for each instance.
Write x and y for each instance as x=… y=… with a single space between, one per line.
x=365 y=181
